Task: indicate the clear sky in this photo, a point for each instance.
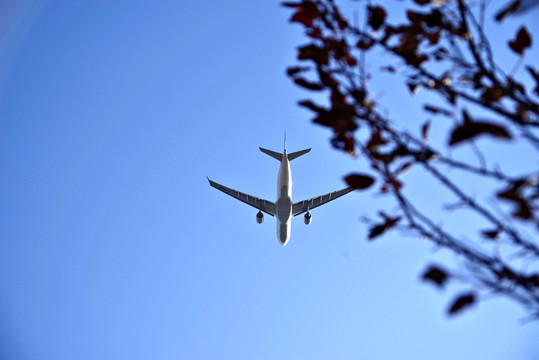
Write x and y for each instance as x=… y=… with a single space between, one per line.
x=114 y=246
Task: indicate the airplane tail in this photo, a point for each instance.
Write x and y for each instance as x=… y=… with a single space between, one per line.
x=279 y=156
x=297 y=154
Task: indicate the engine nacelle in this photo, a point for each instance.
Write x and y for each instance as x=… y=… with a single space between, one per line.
x=307 y=218
x=260 y=217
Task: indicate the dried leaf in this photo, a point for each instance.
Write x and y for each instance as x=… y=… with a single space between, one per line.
x=350 y=60
x=310 y=105
x=359 y=181
x=326 y=78
x=433 y=38
x=377 y=16
x=435 y=20
x=470 y=129
x=375 y=141
x=521 y=41
x=308 y=85
x=523 y=211
x=306 y=13
x=461 y=303
x=364 y=44
x=415 y=18
x=379 y=229
x=491 y=234
x=376 y=231
x=435 y=275
x=315 y=53
x=492 y=94
x=291 y=71
x=291 y=4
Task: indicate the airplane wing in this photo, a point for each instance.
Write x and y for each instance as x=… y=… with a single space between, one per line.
x=263 y=205
x=306 y=205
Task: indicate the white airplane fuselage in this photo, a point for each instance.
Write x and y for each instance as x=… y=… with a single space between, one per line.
x=284 y=201
x=283 y=209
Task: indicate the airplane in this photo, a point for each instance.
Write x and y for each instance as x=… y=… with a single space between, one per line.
x=284 y=209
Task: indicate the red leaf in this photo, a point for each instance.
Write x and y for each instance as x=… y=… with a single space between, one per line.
x=390 y=221
x=521 y=42
x=315 y=53
x=306 y=13
x=433 y=37
x=491 y=234
x=470 y=129
x=291 y=71
x=290 y=4
x=377 y=16
x=523 y=211
x=491 y=94
x=326 y=78
x=359 y=181
x=364 y=44
x=435 y=275
x=376 y=231
x=415 y=17
x=307 y=84
x=350 y=60
x=462 y=302
x=375 y=141
x=379 y=229
x=312 y=106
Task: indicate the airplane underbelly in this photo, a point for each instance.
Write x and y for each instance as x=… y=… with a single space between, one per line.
x=283 y=232
x=283 y=208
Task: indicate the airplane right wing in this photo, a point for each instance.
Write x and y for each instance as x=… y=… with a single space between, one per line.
x=306 y=205
x=263 y=205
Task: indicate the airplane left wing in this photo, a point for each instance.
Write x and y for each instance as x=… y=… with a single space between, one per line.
x=306 y=205
x=263 y=205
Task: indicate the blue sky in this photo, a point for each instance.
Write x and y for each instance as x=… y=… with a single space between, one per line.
x=113 y=245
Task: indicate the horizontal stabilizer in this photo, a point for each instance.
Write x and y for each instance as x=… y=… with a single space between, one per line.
x=297 y=154
x=273 y=154
x=279 y=156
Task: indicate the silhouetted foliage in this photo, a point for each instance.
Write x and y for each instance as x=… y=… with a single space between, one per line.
x=440 y=46
x=462 y=302
x=436 y=275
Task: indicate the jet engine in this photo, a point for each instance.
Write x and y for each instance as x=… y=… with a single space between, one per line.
x=260 y=217
x=307 y=218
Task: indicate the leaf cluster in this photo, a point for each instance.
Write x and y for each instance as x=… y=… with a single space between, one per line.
x=445 y=50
